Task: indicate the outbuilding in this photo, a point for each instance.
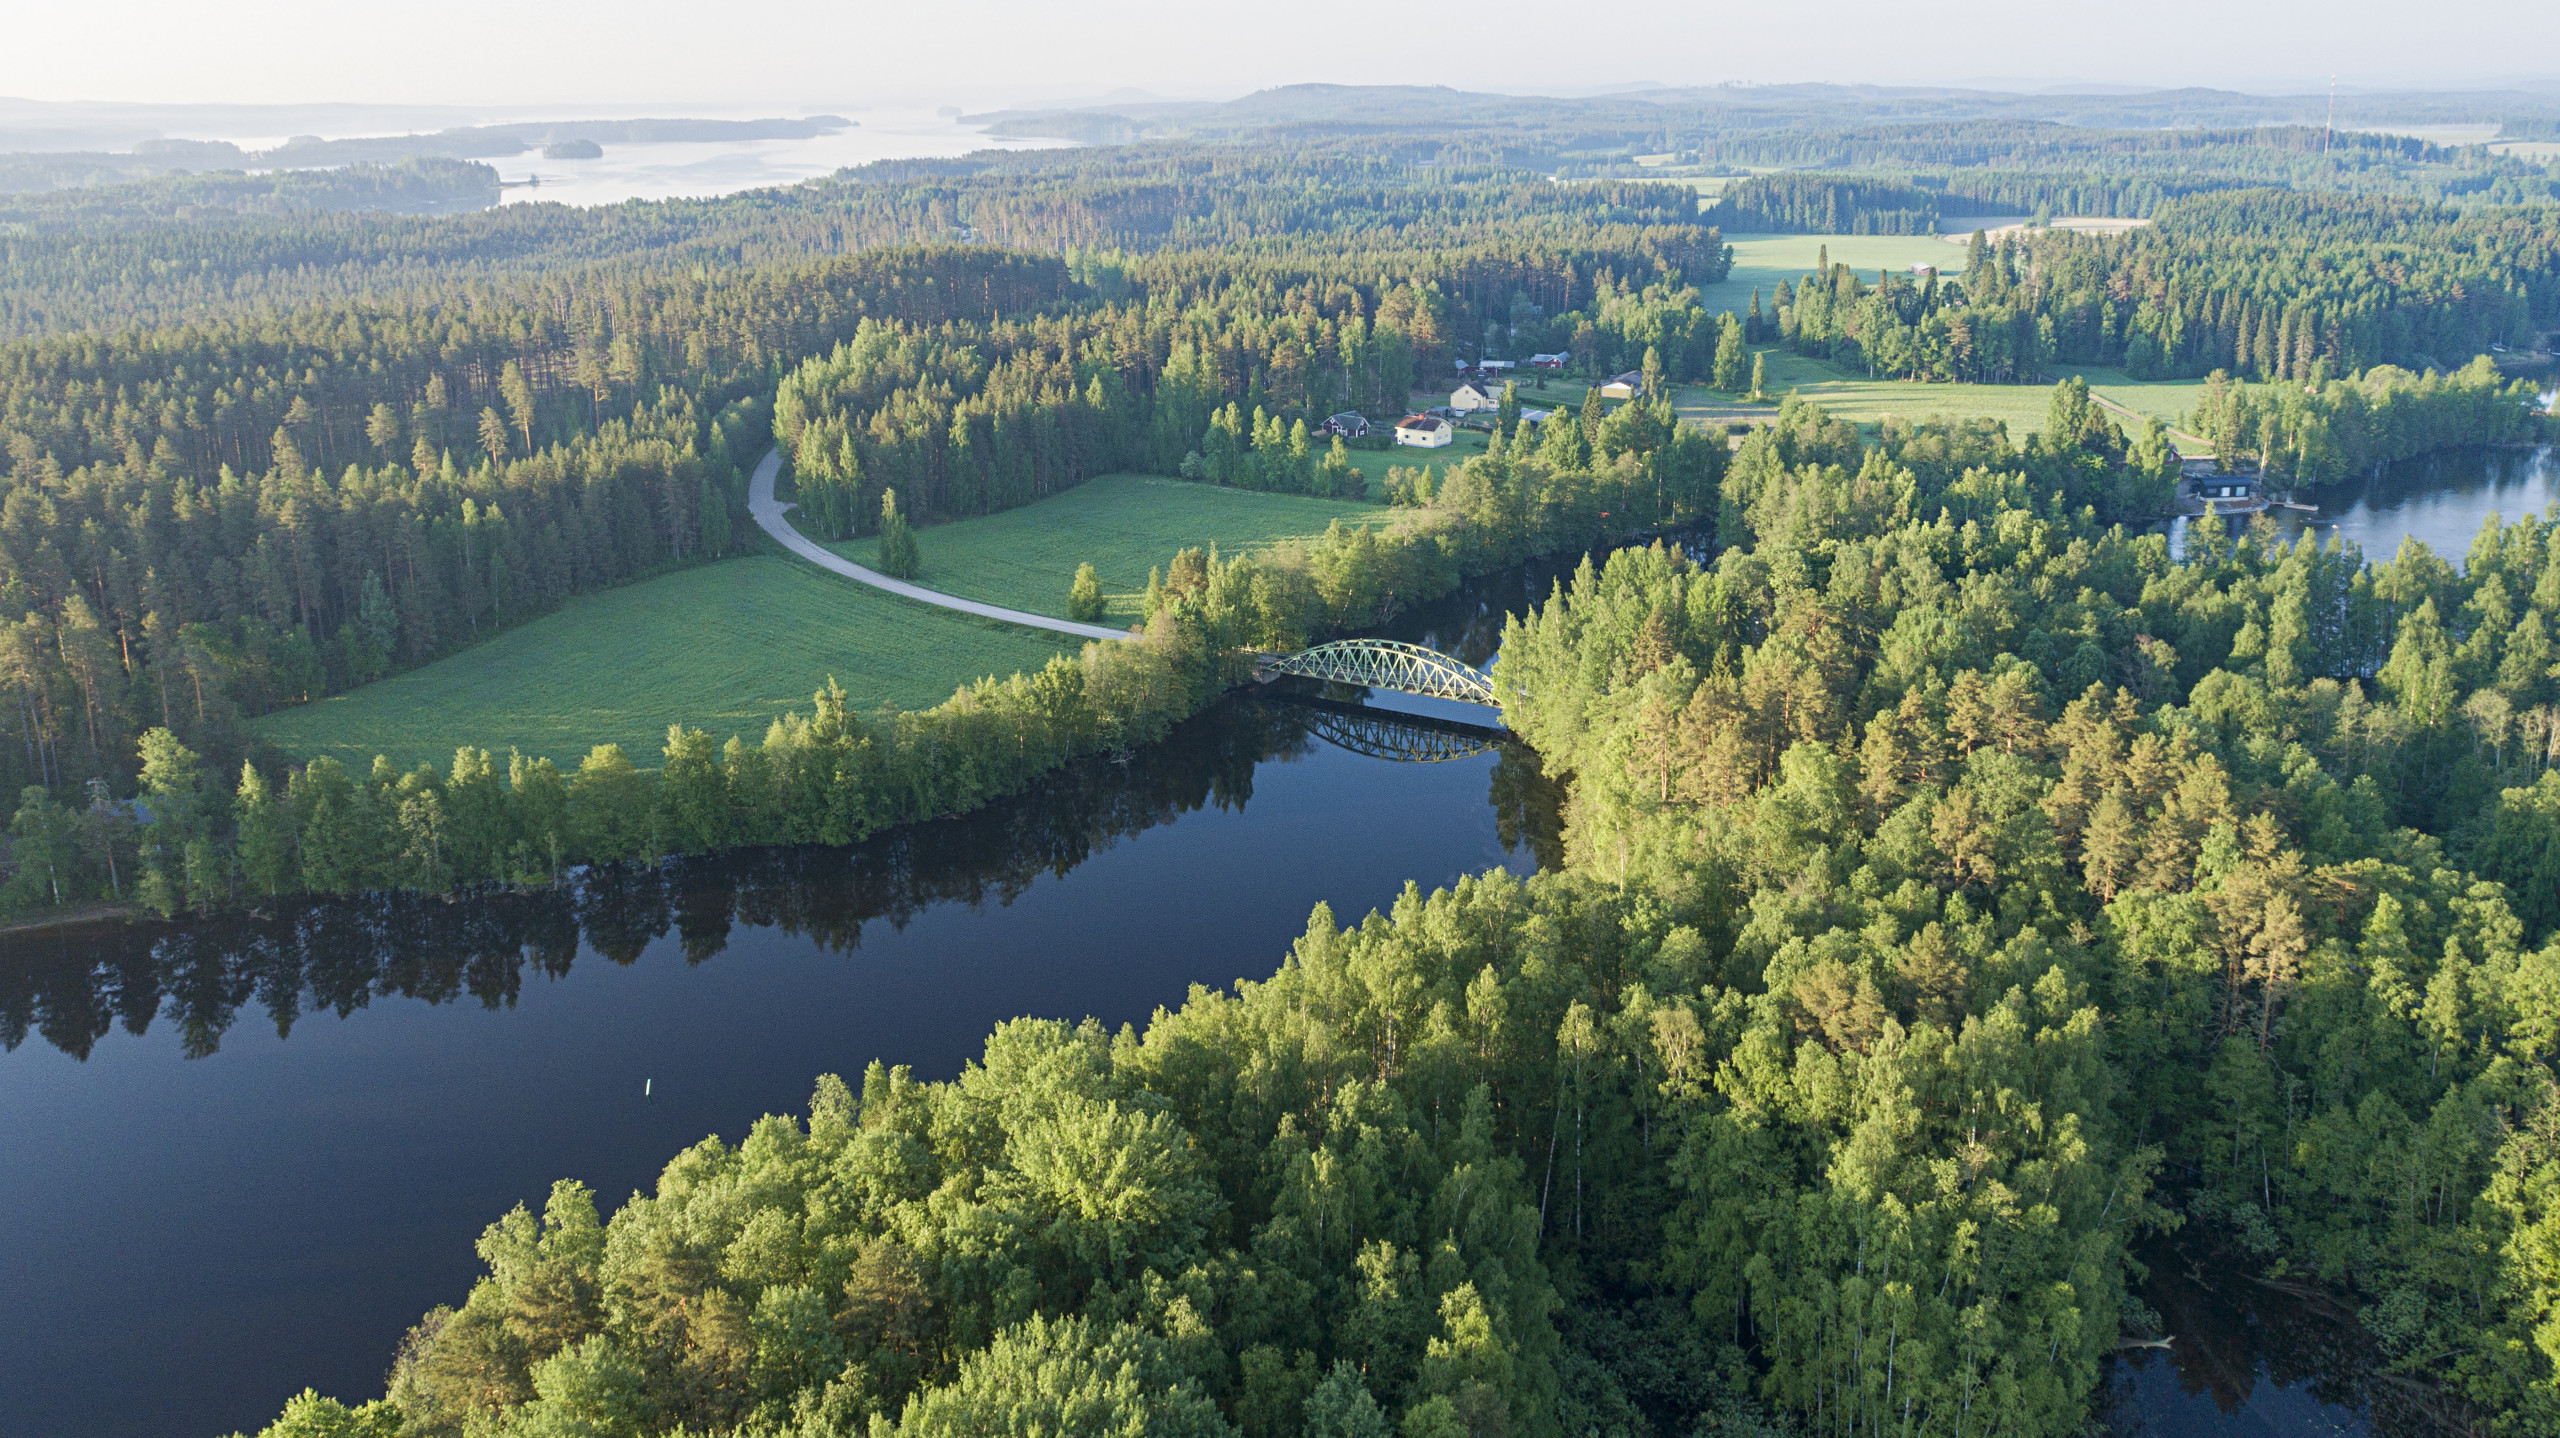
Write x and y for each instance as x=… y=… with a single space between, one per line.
x=1625 y=386
x=1555 y=361
x=1425 y=431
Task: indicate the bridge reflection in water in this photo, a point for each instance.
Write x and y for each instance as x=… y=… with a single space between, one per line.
x=1390 y=734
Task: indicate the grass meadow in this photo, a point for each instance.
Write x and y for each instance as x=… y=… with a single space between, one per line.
x=727 y=646
x=723 y=647
x=1122 y=525
x=1760 y=261
x=1854 y=397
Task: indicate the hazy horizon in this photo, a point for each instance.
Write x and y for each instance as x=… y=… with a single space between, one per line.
x=789 y=56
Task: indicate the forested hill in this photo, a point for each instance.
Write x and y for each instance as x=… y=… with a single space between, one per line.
x=115 y=258
x=2266 y=284
x=1672 y=113
x=409 y=187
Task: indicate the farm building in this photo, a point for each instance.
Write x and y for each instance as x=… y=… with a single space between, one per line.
x=1625 y=386
x=1425 y=431
x=1348 y=424
x=1475 y=395
x=1558 y=361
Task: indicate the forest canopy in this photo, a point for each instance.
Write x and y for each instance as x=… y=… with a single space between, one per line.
x=1958 y=892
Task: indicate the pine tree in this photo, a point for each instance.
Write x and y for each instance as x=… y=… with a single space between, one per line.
x=1729 y=354
x=899 y=558
x=513 y=388
x=265 y=840
x=172 y=790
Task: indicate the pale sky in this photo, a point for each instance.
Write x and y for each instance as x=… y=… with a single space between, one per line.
x=778 y=56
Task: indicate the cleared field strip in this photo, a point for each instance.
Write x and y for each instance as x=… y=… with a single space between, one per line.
x=724 y=647
x=771 y=514
x=1121 y=524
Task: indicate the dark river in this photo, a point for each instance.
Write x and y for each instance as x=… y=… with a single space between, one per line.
x=237 y=1158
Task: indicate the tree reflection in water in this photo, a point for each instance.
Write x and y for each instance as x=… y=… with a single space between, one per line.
x=73 y=986
x=2253 y=1357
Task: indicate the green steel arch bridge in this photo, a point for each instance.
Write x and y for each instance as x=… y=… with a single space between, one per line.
x=1383 y=664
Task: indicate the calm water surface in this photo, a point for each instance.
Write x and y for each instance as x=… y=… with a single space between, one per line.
x=2441 y=500
x=238 y=1158
x=699 y=169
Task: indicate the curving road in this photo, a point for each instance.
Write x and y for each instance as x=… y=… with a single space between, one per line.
x=769 y=513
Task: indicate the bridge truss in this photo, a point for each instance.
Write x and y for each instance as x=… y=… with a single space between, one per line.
x=1386 y=664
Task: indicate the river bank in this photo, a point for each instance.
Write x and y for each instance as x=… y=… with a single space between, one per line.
x=260 y=1146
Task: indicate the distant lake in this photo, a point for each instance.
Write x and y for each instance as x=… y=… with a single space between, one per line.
x=699 y=169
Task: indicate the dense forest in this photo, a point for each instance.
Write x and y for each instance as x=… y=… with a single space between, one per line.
x=202 y=522
x=1956 y=890
x=408 y=187
x=122 y=256
x=206 y=836
x=1918 y=179
x=2265 y=284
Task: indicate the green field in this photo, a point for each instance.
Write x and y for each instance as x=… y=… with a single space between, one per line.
x=727 y=646
x=723 y=647
x=1760 y=261
x=1122 y=525
x=1865 y=401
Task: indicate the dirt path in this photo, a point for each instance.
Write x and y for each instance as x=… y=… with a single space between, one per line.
x=769 y=513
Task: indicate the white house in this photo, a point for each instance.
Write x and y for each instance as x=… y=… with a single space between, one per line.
x=1425 y=431
x=1475 y=395
x=1625 y=386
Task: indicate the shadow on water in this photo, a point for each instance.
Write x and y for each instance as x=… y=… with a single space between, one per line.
x=2253 y=1359
x=73 y=987
x=241 y=1155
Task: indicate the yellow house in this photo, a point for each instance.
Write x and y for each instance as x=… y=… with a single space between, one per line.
x=1424 y=431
